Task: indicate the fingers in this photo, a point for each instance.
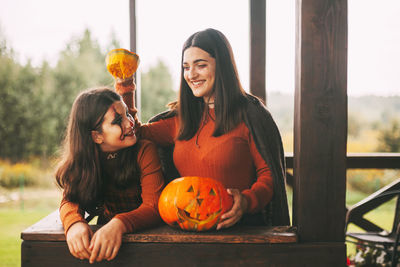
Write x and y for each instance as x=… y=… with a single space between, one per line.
x=103 y=248
x=72 y=250
x=115 y=249
x=114 y=253
x=83 y=247
x=77 y=250
x=78 y=240
x=235 y=214
x=94 y=248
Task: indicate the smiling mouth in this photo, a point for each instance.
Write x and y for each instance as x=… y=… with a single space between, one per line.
x=130 y=133
x=197 y=83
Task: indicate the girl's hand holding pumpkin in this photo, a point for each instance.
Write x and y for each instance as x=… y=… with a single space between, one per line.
x=126 y=88
x=78 y=239
x=238 y=209
x=107 y=241
x=123 y=86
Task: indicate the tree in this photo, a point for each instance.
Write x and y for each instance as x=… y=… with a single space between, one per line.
x=35 y=102
x=156 y=90
x=389 y=138
x=81 y=66
x=18 y=105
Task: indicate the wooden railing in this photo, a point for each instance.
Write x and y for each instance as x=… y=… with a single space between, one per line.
x=363 y=160
x=356 y=161
x=44 y=243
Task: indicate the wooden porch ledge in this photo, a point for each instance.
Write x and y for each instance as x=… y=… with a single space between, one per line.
x=44 y=245
x=50 y=229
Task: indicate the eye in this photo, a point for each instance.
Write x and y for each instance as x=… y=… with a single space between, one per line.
x=128 y=115
x=185 y=68
x=117 y=120
x=212 y=192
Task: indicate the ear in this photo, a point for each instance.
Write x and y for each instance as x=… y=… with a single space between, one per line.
x=97 y=137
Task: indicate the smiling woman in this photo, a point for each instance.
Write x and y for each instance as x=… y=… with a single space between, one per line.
x=199 y=73
x=217 y=130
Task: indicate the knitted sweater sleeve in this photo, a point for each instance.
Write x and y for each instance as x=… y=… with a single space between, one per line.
x=261 y=191
x=152 y=182
x=126 y=89
x=70 y=213
x=161 y=132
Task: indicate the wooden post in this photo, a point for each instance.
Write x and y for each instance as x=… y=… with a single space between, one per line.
x=132 y=40
x=132 y=28
x=257 y=47
x=320 y=127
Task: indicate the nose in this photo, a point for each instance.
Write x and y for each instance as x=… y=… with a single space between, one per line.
x=192 y=73
x=128 y=123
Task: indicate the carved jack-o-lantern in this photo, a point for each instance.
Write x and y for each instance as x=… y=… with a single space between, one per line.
x=194 y=203
x=122 y=63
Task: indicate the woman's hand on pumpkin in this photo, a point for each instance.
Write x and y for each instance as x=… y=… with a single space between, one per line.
x=78 y=240
x=238 y=209
x=107 y=241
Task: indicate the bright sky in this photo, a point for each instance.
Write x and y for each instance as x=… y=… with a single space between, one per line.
x=40 y=29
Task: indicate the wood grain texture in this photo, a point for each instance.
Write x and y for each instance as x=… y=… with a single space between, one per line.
x=132 y=25
x=50 y=229
x=320 y=120
x=363 y=160
x=257 y=48
x=43 y=254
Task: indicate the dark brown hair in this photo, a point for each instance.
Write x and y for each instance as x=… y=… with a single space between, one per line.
x=79 y=171
x=230 y=98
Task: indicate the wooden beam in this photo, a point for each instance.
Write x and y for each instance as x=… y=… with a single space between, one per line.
x=320 y=126
x=362 y=160
x=133 y=47
x=132 y=24
x=373 y=161
x=257 y=48
x=44 y=253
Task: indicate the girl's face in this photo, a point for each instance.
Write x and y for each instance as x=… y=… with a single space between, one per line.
x=199 y=72
x=118 y=129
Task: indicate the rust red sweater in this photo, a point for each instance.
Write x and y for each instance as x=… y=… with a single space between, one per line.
x=136 y=206
x=231 y=158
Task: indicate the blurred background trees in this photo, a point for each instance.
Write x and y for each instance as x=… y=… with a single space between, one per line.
x=156 y=91
x=36 y=101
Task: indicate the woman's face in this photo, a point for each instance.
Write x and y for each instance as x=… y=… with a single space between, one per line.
x=199 y=72
x=117 y=129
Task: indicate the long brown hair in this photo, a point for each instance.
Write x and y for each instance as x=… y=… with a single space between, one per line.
x=79 y=171
x=229 y=95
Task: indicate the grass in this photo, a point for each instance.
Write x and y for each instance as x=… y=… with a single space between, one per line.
x=17 y=215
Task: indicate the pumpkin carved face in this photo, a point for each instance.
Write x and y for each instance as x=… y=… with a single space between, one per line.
x=194 y=203
x=122 y=63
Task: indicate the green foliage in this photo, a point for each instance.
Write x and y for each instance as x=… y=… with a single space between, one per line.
x=18 y=112
x=156 y=91
x=389 y=138
x=35 y=102
x=369 y=181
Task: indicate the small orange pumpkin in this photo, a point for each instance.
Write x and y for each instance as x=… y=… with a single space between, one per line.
x=194 y=203
x=122 y=63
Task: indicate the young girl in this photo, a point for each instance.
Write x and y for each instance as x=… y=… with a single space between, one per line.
x=217 y=130
x=106 y=171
